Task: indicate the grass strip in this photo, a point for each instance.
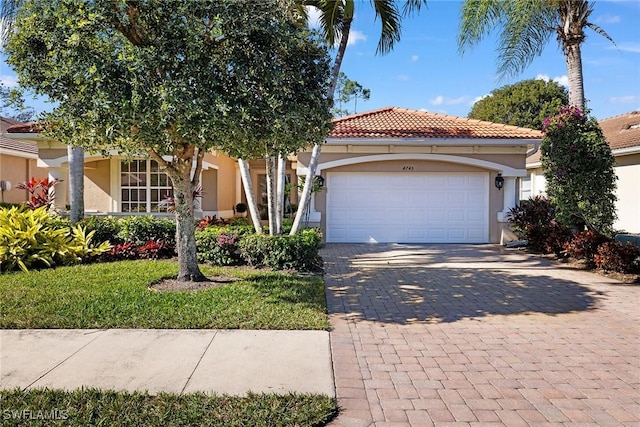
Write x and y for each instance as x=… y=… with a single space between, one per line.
x=94 y=407
x=116 y=295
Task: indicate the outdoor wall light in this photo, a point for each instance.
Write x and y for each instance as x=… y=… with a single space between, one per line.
x=319 y=181
x=499 y=181
x=4 y=186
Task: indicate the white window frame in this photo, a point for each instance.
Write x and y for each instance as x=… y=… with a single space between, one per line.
x=146 y=191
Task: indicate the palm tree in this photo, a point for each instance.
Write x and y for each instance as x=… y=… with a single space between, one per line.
x=336 y=17
x=8 y=10
x=526 y=27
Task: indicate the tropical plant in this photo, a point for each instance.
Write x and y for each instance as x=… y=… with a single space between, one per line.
x=525 y=104
x=173 y=79
x=336 y=17
x=534 y=220
x=525 y=29
x=41 y=192
x=578 y=168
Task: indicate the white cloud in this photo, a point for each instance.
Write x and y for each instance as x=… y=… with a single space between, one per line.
x=402 y=77
x=443 y=100
x=608 y=19
x=561 y=80
x=314 y=17
x=9 y=81
x=479 y=98
x=355 y=36
x=414 y=58
x=624 y=99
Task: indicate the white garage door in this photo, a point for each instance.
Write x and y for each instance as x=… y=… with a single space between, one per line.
x=408 y=207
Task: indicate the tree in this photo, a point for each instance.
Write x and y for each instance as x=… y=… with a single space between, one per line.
x=525 y=104
x=526 y=27
x=172 y=81
x=12 y=106
x=8 y=11
x=336 y=17
x=347 y=90
x=578 y=167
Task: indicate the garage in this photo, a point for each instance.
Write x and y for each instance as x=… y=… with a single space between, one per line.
x=407 y=207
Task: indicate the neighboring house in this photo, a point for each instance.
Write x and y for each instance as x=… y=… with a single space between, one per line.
x=398 y=175
x=17 y=164
x=119 y=185
x=623 y=136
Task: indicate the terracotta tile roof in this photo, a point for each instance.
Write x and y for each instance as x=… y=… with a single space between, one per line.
x=30 y=127
x=621 y=131
x=393 y=122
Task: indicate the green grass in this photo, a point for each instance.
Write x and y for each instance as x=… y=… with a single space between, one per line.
x=115 y=295
x=92 y=407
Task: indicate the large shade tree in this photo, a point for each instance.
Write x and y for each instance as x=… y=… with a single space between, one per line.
x=525 y=29
x=336 y=17
x=525 y=104
x=172 y=80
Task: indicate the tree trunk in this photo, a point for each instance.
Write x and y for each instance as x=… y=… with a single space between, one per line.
x=573 y=58
x=76 y=182
x=271 y=171
x=280 y=183
x=248 y=192
x=315 y=154
x=188 y=269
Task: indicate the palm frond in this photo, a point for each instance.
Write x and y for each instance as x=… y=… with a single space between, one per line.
x=8 y=11
x=332 y=13
x=390 y=18
x=600 y=31
x=412 y=6
x=477 y=19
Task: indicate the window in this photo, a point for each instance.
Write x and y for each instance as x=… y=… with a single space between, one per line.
x=143 y=186
x=263 y=201
x=525 y=187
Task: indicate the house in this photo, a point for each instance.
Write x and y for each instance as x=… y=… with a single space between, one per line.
x=118 y=185
x=17 y=164
x=391 y=175
x=399 y=175
x=623 y=136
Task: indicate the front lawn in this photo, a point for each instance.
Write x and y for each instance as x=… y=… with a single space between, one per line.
x=116 y=295
x=42 y=407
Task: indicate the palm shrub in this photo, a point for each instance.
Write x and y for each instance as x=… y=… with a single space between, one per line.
x=578 y=167
x=30 y=239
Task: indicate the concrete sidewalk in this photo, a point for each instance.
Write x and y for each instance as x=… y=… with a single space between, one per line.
x=178 y=361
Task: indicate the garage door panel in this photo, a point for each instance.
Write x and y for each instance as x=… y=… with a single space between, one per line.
x=407 y=207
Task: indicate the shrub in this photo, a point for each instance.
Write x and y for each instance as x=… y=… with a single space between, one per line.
x=120 y=252
x=29 y=239
x=238 y=221
x=155 y=250
x=534 y=220
x=107 y=228
x=219 y=246
x=299 y=251
x=584 y=245
x=619 y=257
x=209 y=221
x=141 y=229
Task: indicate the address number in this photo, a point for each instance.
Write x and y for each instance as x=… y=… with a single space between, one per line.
x=407 y=168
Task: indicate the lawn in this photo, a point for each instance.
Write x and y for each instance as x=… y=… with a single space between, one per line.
x=116 y=295
x=43 y=407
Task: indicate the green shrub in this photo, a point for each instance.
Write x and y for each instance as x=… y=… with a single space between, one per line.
x=145 y=228
x=299 y=251
x=239 y=220
x=107 y=228
x=219 y=245
x=31 y=239
x=7 y=205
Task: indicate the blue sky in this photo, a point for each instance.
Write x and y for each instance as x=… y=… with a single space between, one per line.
x=425 y=70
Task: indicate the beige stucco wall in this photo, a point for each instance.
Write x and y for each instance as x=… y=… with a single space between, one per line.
x=97 y=185
x=219 y=183
x=17 y=169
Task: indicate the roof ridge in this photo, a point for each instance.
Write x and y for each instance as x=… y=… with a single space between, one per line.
x=363 y=114
x=629 y=113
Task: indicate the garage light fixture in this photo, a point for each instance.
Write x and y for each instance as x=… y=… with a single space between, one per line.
x=499 y=181
x=319 y=181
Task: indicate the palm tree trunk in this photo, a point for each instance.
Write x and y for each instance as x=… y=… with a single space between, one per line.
x=271 y=190
x=305 y=198
x=248 y=192
x=280 y=183
x=573 y=57
x=76 y=182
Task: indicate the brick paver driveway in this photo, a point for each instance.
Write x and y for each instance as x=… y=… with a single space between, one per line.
x=479 y=335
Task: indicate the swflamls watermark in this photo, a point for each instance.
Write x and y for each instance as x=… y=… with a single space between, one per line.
x=29 y=414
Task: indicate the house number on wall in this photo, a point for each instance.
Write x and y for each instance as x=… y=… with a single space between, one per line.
x=407 y=168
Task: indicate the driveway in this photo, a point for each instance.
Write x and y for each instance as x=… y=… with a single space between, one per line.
x=478 y=335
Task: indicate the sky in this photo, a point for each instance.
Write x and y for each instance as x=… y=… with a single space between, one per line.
x=425 y=70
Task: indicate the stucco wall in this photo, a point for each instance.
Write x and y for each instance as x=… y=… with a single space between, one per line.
x=16 y=170
x=628 y=193
x=225 y=184
x=97 y=186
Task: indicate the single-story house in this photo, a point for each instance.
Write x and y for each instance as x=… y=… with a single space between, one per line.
x=391 y=175
x=623 y=136
x=399 y=175
x=18 y=163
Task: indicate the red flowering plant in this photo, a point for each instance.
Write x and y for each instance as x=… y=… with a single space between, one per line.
x=41 y=192
x=578 y=167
